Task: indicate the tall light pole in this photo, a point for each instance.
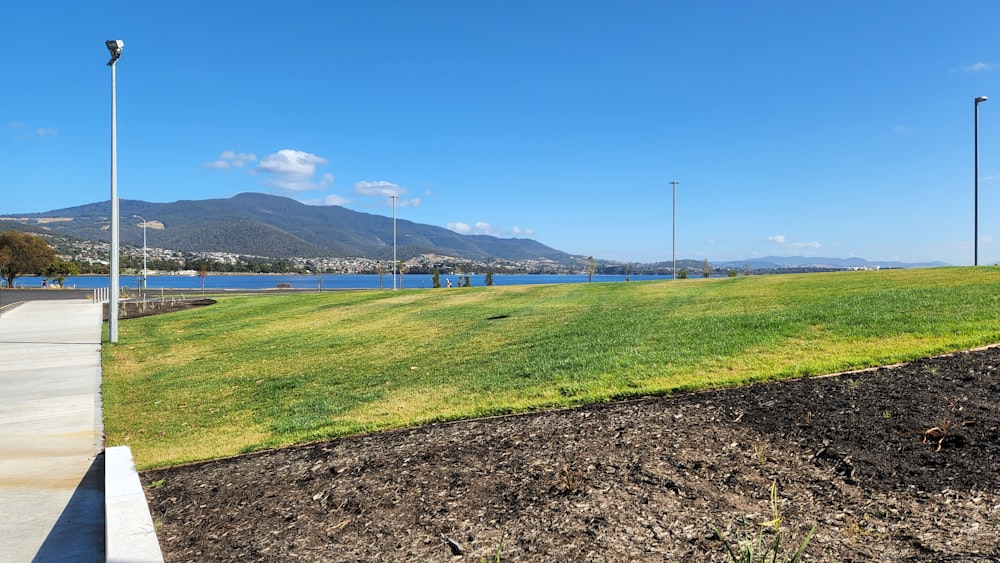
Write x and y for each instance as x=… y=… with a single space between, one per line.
x=115 y=48
x=394 y=198
x=674 y=236
x=975 y=243
x=143 y=251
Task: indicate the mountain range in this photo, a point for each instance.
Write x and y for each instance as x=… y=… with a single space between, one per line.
x=813 y=263
x=257 y=224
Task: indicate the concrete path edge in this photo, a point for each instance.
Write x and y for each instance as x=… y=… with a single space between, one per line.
x=131 y=536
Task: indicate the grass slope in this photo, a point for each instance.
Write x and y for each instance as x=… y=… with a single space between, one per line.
x=262 y=371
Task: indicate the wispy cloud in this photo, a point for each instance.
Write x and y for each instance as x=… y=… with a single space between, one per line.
x=293 y=170
x=231 y=159
x=484 y=228
x=901 y=129
x=380 y=191
x=976 y=67
x=38 y=132
x=479 y=228
x=783 y=240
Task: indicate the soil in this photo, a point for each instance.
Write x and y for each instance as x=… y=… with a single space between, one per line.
x=137 y=308
x=897 y=463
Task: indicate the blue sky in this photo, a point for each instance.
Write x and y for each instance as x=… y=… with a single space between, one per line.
x=793 y=128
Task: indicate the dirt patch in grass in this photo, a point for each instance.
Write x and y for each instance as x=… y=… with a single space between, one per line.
x=893 y=464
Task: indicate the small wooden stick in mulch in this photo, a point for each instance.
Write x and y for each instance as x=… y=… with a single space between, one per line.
x=939 y=433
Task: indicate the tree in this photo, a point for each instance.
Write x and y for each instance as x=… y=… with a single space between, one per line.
x=489 y=277
x=467 y=282
x=22 y=254
x=591 y=268
x=60 y=270
x=683 y=274
x=436 y=279
x=705 y=270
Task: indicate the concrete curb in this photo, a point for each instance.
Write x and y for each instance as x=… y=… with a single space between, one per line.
x=130 y=535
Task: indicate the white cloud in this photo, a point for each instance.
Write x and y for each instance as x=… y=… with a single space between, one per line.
x=459 y=227
x=293 y=170
x=231 y=159
x=781 y=239
x=383 y=190
x=901 y=129
x=978 y=67
x=484 y=228
x=810 y=244
x=37 y=132
x=334 y=199
x=379 y=188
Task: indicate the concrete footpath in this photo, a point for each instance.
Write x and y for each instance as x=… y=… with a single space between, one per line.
x=52 y=467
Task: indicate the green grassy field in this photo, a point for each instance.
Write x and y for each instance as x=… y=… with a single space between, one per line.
x=261 y=371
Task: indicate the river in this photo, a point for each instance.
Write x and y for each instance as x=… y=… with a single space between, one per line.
x=325 y=281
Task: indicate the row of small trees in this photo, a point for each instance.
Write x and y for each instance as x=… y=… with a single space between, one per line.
x=22 y=254
x=463 y=281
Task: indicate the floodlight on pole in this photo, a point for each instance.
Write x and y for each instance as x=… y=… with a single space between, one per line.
x=394 y=198
x=975 y=241
x=115 y=48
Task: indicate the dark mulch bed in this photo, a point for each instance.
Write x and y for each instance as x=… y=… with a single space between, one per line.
x=643 y=480
x=133 y=309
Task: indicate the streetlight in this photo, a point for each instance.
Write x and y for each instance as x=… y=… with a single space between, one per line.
x=674 y=237
x=115 y=48
x=394 y=198
x=143 y=252
x=975 y=243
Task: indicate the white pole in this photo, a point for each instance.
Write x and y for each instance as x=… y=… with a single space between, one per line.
x=394 y=198
x=144 y=255
x=674 y=236
x=113 y=304
x=975 y=218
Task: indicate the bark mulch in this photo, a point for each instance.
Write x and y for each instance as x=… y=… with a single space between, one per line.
x=894 y=464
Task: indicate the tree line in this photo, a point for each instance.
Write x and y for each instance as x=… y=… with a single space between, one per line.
x=22 y=254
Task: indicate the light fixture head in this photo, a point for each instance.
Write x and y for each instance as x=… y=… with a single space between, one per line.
x=981 y=99
x=115 y=48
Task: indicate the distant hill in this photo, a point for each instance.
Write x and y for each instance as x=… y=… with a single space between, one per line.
x=277 y=227
x=800 y=262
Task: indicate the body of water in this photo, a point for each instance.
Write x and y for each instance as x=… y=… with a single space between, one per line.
x=326 y=281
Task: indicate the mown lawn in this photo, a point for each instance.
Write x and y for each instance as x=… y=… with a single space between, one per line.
x=261 y=371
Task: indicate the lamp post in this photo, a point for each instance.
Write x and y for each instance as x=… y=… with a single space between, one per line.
x=115 y=48
x=975 y=242
x=394 y=198
x=143 y=252
x=674 y=236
